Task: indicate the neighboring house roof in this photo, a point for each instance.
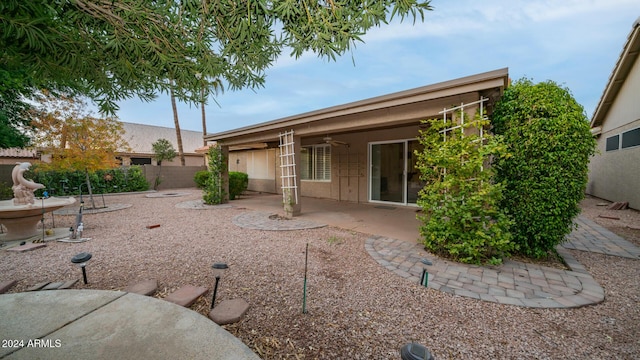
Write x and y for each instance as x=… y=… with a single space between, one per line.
x=140 y=137
x=19 y=153
x=346 y=117
x=618 y=76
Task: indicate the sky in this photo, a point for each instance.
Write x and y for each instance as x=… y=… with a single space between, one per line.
x=575 y=43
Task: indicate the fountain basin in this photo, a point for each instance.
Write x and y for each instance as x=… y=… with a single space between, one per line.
x=21 y=221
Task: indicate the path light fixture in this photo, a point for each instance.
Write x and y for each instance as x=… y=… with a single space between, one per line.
x=414 y=351
x=81 y=260
x=218 y=270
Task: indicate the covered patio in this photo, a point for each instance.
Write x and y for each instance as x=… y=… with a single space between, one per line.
x=360 y=152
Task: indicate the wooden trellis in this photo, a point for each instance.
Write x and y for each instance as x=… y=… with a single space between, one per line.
x=288 y=168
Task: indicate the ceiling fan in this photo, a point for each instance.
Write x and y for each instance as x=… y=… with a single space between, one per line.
x=330 y=141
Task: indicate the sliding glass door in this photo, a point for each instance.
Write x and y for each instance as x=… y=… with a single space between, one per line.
x=393 y=175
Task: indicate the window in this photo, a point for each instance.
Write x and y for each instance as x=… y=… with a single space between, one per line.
x=140 y=161
x=612 y=143
x=631 y=138
x=315 y=162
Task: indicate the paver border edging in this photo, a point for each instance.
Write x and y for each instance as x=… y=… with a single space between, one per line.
x=513 y=283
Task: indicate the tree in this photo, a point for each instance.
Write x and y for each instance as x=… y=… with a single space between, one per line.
x=110 y=50
x=549 y=144
x=75 y=139
x=162 y=150
x=14 y=110
x=176 y=123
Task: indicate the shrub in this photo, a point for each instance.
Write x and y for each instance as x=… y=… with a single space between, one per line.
x=214 y=188
x=462 y=219
x=548 y=138
x=201 y=178
x=6 y=192
x=66 y=183
x=238 y=183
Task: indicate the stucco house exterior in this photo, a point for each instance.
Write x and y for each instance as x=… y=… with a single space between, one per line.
x=614 y=172
x=357 y=152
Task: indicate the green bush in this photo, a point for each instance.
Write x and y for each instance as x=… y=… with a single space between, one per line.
x=6 y=192
x=238 y=183
x=201 y=178
x=461 y=217
x=67 y=183
x=214 y=189
x=549 y=142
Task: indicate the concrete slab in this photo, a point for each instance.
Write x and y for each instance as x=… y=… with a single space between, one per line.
x=186 y=295
x=145 y=287
x=229 y=311
x=6 y=285
x=27 y=247
x=116 y=325
x=57 y=306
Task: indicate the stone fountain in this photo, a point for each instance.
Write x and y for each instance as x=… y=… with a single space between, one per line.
x=20 y=215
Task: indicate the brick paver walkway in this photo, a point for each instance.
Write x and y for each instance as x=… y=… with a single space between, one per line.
x=514 y=283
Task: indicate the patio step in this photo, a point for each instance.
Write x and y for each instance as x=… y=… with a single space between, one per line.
x=6 y=285
x=186 y=295
x=27 y=247
x=145 y=287
x=229 y=311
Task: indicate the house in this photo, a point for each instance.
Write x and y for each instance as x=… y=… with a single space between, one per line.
x=356 y=152
x=140 y=137
x=614 y=172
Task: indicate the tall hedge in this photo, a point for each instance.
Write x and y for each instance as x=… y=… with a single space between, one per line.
x=66 y=183
x=549 y=141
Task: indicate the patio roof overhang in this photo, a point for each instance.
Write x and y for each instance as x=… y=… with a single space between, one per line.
x=387 y=111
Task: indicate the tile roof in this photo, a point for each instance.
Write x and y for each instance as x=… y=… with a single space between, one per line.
x=140 y=137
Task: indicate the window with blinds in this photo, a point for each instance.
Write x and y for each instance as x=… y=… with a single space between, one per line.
x=315 y=162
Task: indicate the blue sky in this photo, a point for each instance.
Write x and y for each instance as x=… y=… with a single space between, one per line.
x=573 y=42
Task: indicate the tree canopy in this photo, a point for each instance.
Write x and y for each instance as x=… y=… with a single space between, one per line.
x=110 y=50
x=14 y=110
x=163 y=150
x=75 y=139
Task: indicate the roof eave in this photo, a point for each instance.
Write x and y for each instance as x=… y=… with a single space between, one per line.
x=620 y=72
x=375 y=103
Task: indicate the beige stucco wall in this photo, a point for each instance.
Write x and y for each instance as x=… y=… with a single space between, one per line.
x=615 y=175
x=349 y=164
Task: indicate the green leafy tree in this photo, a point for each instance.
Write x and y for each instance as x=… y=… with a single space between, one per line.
x=14 y=110
x=75 y=139
x=462 y=219
x=110 y=50
x=162 y=150
x=549 y=140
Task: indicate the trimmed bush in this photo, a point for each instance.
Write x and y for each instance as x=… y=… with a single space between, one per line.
x=238 y=183
x=214 y=188
x=549 y=142
x=6 y=192
x=201 y=178
x=68 y=183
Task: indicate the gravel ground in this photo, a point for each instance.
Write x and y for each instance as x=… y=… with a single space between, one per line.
x=356 y=309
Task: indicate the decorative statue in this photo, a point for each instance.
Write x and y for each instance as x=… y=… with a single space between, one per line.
x=22 y=188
